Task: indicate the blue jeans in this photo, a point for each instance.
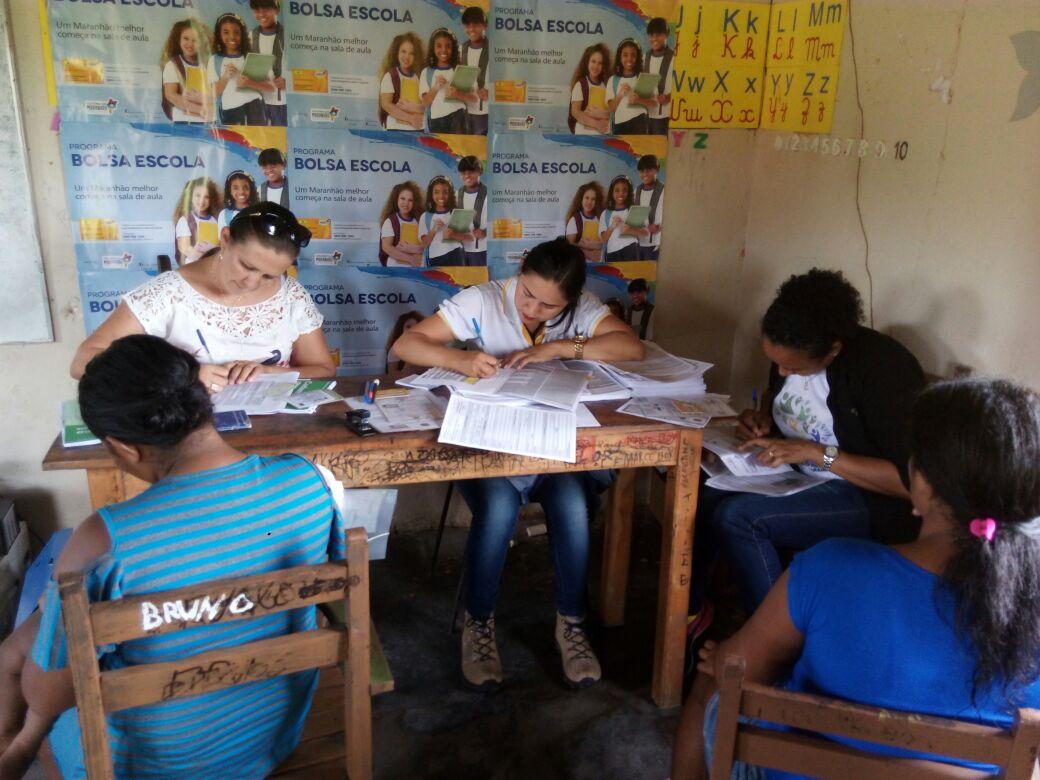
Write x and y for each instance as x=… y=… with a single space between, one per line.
x=495 y=503
x=749 y=528
x=740 y=771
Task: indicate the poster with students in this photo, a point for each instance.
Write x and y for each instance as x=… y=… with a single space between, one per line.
x=390 y=199
x=604 y=194
x=591 y=68
x=182 y=62
x=402 y=67
x=367 y=307
x=153 y=197
x=628 y=290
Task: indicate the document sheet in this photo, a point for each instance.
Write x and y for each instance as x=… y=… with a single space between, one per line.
x=534 y=431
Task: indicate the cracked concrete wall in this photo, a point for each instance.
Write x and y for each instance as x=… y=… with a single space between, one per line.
x=954 y=241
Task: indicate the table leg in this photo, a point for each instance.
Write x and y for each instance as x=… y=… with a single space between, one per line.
x=617 y=549
x=105 y=486
x=676 y=563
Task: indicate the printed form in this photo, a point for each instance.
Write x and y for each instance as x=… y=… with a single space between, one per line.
x=533 y=431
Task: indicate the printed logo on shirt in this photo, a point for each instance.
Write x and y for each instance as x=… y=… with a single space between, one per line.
x=100 y=107
x=325 y=114
x=328 y=258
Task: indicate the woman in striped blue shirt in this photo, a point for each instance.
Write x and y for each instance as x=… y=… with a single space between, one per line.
x=211 y=512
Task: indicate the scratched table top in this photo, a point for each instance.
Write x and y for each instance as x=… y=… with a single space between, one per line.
x=326 y=430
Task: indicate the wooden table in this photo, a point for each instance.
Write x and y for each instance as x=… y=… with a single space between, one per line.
x=623 y=442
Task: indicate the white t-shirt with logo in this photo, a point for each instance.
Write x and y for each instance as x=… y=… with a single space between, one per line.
x=480 y=108
x=665 y=111
x=440 y=106
x=386 y=87
x=387 y=231
x=800 y=411
x=493 y=306
x=469 y=200
x=170 y=75
x=275 y=97
x=597 y=99
x=625 y=110
x=643 y=199
x=439 y=246
x=233 y=97
x=617 y=240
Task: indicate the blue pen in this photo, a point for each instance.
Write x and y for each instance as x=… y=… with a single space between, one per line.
x=370 y=391
x=205 y=346
x=480 y=338
x=754 y=398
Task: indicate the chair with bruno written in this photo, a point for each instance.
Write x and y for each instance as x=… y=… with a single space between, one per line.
x=338 y=730
x=807 y=752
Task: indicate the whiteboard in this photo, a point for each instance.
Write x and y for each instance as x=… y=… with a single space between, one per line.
x=24 y=311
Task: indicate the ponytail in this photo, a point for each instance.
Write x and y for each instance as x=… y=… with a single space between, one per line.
x=977 y=443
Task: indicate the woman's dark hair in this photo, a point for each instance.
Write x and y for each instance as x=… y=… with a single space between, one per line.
x=562 y=263
x=811 y=311
x=274 y=226
x=143 y=390
x=977 y=443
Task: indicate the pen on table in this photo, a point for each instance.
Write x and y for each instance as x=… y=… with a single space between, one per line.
x=370 y=390
x=205 y=346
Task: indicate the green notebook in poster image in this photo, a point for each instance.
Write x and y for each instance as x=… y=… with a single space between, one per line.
x=258 y=66
x=465 y=78
x=646 y=83
x=637 y=216
x=462 y=220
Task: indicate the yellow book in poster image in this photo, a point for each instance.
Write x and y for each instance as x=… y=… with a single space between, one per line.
x=802 y=65
x=720 y=51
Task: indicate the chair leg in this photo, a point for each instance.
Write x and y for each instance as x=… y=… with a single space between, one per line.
x=440 y=528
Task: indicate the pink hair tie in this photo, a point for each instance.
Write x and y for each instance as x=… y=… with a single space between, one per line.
x=984 y=528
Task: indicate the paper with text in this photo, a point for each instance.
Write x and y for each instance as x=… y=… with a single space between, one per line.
x=534 y=431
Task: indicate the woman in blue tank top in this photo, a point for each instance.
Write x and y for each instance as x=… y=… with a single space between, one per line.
x=947 y=625
x=211 y=512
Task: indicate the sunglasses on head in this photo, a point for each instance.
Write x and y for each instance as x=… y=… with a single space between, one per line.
x=277 y=226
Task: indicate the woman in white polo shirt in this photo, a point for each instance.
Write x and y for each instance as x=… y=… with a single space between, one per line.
x=542 y=314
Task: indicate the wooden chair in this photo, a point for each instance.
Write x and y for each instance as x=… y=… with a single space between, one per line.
x=1014 y=751
x=351 y=645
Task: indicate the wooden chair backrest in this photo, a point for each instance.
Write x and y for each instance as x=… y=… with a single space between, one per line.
x=221 y=601
x=1014 y=751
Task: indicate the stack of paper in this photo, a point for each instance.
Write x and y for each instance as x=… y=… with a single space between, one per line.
x=308 y=394
x=660 y=374
x=601 y=385
x=550 y=384
x=739 y=471
x=694 y=412
x=267 y=395
x=413 y=410
x=74 y=432
x=534 y=431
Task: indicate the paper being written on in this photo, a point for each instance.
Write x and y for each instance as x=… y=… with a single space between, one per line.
x=725 y=444
x=775 y=485
x=695 y=412
x=261 y=396
x=533 y=431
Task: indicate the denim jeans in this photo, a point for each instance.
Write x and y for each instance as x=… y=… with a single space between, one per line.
x=741 y=771
x=495 y=503
x=749 y=528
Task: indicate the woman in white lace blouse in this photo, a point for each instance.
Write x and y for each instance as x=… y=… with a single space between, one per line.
x=236 y=310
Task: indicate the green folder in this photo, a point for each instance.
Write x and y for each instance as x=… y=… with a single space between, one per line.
x=637 y=216
x=74 y=432
x=646 y=83
x=462 y=220
x=465 y=78
x=258 y=66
